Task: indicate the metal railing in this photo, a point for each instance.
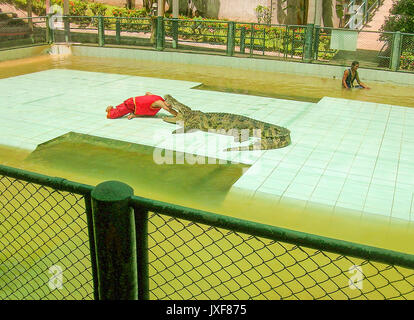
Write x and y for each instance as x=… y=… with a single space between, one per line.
x=65 y=240
x=342 y=46
x=407 y=52
x=377 y=50
x=362 y=14
x=16 y=32
x=45 y=248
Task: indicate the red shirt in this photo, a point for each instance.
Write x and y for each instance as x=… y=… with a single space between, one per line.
x=143 y=105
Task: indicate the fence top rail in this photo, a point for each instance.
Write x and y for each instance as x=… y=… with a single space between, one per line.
x=312 y=241
x=197 y=20
x=53 y=182
x=354 y=30
x=217 y=21
x=28 y=18
x=106 y=17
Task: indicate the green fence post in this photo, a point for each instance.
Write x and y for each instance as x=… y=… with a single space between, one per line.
x=264 y=41
x=51 y=30
x=175 y=33
x=115 y=241
x=242 y=40
x=141 y=231
x=101 y=31
x=316 y=42
x=230 y=38
x=396 y=51
x=286 y=42
x=67 y=28
x=89 y=220
x=48 y=40
x=308 y=42
x=118 y=31
x=251 y=40
x=160 y=33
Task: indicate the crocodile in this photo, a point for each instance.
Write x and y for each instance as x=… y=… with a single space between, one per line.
x=241 y=127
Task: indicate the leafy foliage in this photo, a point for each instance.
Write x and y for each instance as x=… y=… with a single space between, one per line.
x=263 y=14
x=98 y=9
x=401 y=17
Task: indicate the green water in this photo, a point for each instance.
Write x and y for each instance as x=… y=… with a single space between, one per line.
x=205 y=182
x=260 y=83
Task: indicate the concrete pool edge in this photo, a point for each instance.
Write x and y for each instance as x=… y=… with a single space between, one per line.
x=24 y=52
x=251 y=64
x=196 y=58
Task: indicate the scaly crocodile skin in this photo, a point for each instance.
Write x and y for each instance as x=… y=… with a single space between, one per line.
x=241 y=127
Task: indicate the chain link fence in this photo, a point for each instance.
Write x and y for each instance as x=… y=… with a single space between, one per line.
x=15 y=32
x=196 y=261
x=114 y=30
x=342 y=46
x=44 y=243
x=372 y=49
x=407 y=52
x=182 y=253
x=197 y=34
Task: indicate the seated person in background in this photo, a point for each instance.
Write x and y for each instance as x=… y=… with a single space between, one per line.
x=147 y=105
x=350 y=75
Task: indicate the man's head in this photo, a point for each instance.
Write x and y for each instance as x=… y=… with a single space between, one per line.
x=181 y=108
x=355 y=65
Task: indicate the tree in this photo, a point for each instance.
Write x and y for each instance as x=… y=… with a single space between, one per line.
x=401 y=17
x=29 y=13
x=148 y=4
x=327 y=13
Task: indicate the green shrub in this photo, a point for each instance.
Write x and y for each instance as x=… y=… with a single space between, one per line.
x=263 y=14
x=39 y=7
x=97 y=9
x=407 y=61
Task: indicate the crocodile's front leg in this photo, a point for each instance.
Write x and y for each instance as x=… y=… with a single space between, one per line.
x=170 y=119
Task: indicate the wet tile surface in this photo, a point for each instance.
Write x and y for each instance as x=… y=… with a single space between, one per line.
x=348 y=154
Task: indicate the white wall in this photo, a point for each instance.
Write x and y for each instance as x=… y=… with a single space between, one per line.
x=238 y=10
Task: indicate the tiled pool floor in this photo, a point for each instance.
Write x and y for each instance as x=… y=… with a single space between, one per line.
x=344 y=153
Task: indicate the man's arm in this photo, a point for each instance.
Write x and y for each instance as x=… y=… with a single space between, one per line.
x=165 y=106
x=361 y=83
x=344 y=79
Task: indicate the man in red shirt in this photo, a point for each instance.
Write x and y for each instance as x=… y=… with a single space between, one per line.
x=147 y=105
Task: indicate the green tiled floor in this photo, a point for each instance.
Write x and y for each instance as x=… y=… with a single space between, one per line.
x=348 y=154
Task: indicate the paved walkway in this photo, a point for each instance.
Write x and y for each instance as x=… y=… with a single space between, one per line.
x=6 y=7
x=368 y=40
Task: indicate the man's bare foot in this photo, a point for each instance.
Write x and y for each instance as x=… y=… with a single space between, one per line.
x=109 y=108
x=131 y=116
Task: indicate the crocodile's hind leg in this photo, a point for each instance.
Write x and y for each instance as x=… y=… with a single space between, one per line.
x=239 y=135
x=265 y=144
x=275 y=142
x=183 y=130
